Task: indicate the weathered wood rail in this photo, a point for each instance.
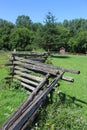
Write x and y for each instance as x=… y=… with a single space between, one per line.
x=36 y=56
x=35 y=76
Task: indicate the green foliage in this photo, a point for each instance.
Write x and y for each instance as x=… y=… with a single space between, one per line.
x=72 y=44
x=26 y=35
x=50 y=19
x=37 y=49
x=24 y=21
x=5 y=31
x=49 y=61
x=20 y=39
x=82 y=41
x=49 y=33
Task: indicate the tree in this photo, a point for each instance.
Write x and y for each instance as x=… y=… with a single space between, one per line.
x=36 y=42
x=82 y=42
x=63 y=37
x=20 y=39
x=53 y=35
x=50 y=19
x=72 y=44
x=75 y=25
x=66 y=23
x=49 y=33
x=5 y=31
x=24 y=21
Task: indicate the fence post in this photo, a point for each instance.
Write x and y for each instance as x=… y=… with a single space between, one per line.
x=13 y=66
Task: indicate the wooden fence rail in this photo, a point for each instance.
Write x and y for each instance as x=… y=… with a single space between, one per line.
x=35 y=76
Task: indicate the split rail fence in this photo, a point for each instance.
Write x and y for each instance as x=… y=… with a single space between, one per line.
x=35 y=76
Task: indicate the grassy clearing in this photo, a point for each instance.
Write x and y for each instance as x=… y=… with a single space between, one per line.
x=4 y=57
x=68 y=111
x=9 y=101
x=10 y=98
x=77 y=90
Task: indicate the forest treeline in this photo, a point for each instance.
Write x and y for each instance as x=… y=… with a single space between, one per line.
x=51 y=35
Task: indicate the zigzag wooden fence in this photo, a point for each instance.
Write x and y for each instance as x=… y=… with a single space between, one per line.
x=35 y=76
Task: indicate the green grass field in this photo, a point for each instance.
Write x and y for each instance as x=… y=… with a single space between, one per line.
x=68 y=111
x=71 y=114
x=78 y=89
x=10 y=98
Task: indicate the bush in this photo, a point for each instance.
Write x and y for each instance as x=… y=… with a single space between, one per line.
x=48 y=62
x=60 y=116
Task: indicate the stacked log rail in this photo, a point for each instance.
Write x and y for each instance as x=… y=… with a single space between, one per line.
x=19 y=118
x=42 y=67
x=36 y=56
x=27 y=71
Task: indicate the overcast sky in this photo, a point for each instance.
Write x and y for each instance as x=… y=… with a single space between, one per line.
x=38 y=9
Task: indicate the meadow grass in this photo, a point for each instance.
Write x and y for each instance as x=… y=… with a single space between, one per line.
x=68 y=110
x=67 y=114
x=10 y=98
x=78 y=89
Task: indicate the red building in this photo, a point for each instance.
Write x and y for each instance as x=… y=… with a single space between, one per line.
x=62 y=50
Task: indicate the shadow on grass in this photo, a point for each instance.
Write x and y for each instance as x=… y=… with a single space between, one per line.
x=67 y=99
x=60 y=56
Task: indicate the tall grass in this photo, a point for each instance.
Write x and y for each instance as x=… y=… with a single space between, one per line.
x=10 y=98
